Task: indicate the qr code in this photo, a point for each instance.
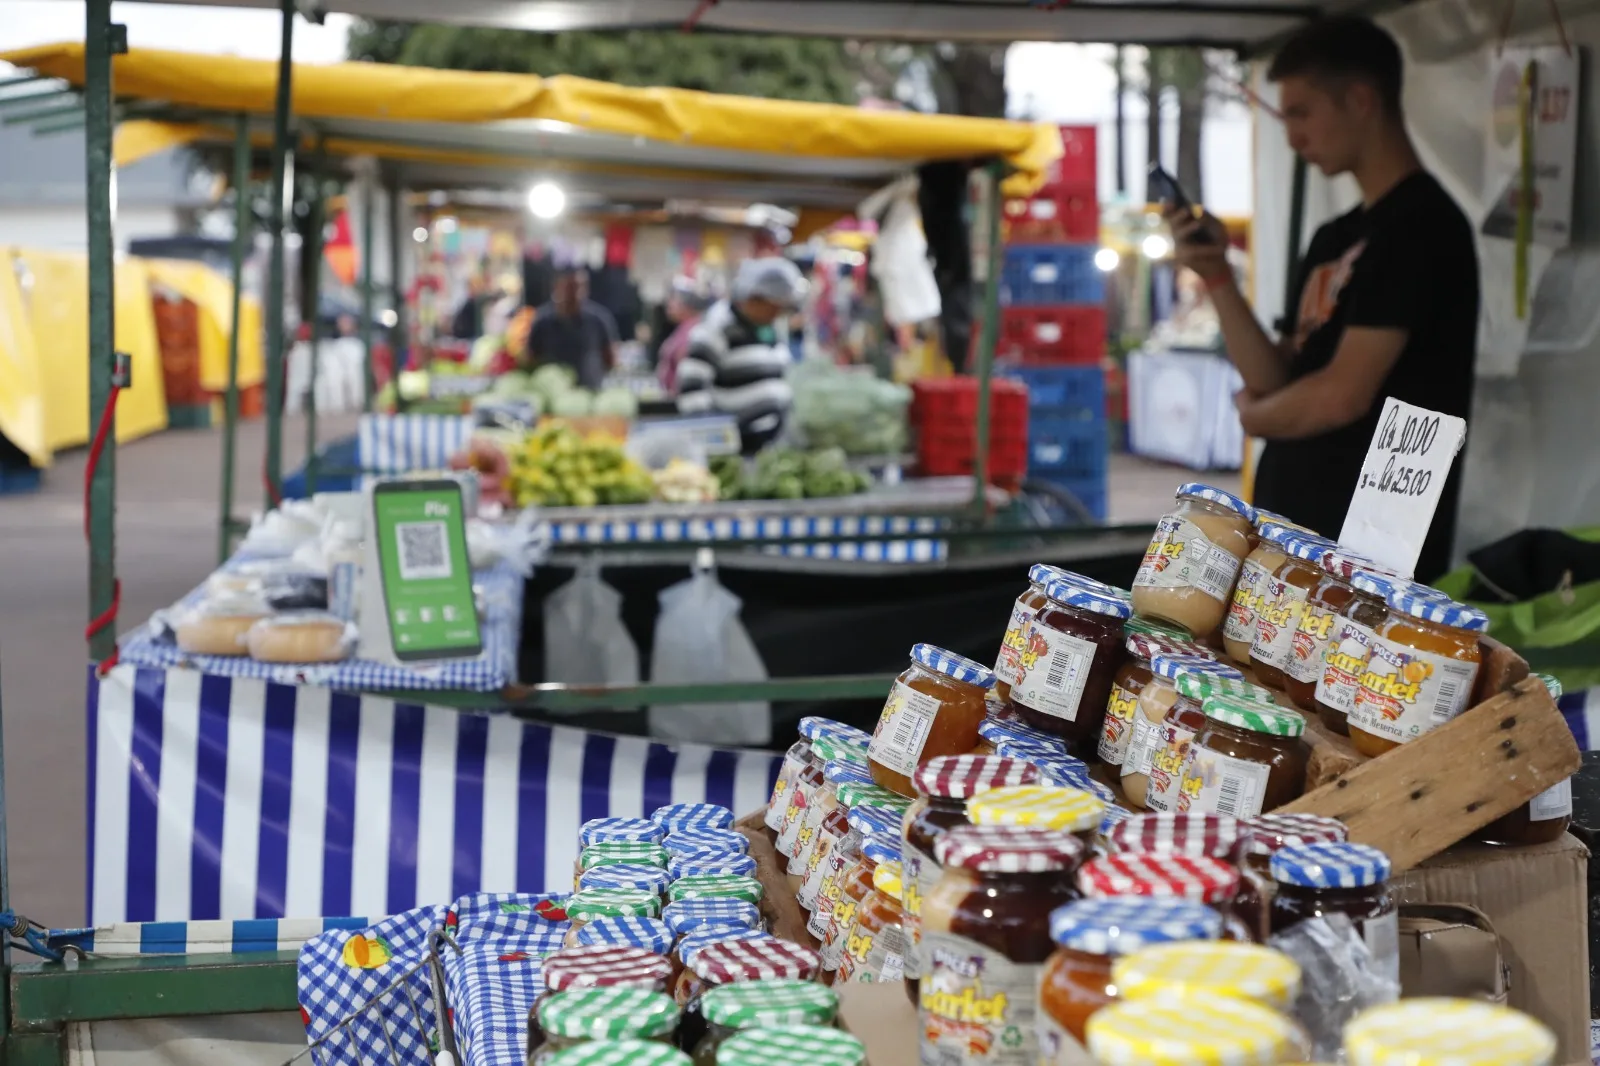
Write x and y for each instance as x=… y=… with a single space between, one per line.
x=424 y=550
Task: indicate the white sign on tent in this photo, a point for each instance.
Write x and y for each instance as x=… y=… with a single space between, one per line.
x=1531 y=143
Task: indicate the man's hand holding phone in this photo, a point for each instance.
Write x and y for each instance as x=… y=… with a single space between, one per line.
x=1199 y=242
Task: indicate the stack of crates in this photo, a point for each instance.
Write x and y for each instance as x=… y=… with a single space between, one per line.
x=1053 y=322
x=944 y=420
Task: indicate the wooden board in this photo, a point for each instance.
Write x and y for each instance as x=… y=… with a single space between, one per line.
x=1419 y=799
x=784 y=916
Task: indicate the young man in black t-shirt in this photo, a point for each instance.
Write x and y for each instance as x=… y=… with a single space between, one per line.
x=1388 y=293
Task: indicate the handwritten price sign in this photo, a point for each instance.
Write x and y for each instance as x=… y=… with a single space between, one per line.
x=1400 y=483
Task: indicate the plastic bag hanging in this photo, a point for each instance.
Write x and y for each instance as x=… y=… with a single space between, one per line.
x=585 y=642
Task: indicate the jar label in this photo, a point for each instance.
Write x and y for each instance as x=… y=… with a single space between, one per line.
x=1276 y=621
x=1405 y=692
x=1170 y=756
x=816 y=867
x=1180 y=556
x=1240 y=623
x=1057 y=1047
x=919 y=873
x=1554 y=802
x=1116 y=734
x=834 y=947
x=1008 y=664
x=873 y=957
x=1141 y=747
x=823 y=801
x=977 y=1006
x=1382 y=935
x=903 y=729
x=1343 y=664
x=1055 y=668
x=794 y=818
x=778 y=806
x=1221 y=784
x=1304 y=661
x=833 y=865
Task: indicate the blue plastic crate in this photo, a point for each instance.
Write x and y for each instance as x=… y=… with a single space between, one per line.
x=1070 y=448
x=15 y=479
x=1061 y=389
x=1044 y=274
x=1091 y=492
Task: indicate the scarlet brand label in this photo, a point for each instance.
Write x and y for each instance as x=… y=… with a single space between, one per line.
x=794 y=818
x=1180 y=556
x=903 y=729
x=1403 y=692
x=978 y=1008
x=919 y=873
x=1055 y=668
x=1276 y=621
x=1008 y=664
x=1117 y=731
x=820 y=924
x=1343 y=664
x=1168 y=762
x=778 y=806
x=1310 y=645
x=1240 y=623
x=1215 y=783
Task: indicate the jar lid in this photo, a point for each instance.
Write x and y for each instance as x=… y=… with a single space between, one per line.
x=1174 y=833
x=1038 y=806
x=1375 y=584
x=953 y=666
x=605 y=966
x=1114 y=816
x=650 y=934
x=886 y=877
x=882 y=847
x=692 y=816
x=1197 y=686
x=1332 y=865
x=716 y=886
x=1156 y=628
x=693 y=943
x=1434 y=1031
x=1270 y=833
x=1551 y=684
x=624 y=875
x=1040 y=573
x=1170 y=666
x=1087 y=599
x=868 y=820
x=698 y=864
x=1268 y=718
x=754 y=960
x=1211 y=494
x=965 y=776
x=620 y=1053
x=693 y=840
x=605 y=830
x=839 y=771
x=1277 y=533
x=839 y=750
x=1023 y=747
x=1098 y=791
x=994 y=730
x=814 y=726
x=1444 y=612
x=1199 y=877
x=1346 y=564
x=687 y=915
x=1226 y=967
x=1072 y=577
x=589 y=904
x=1194 y=1030
x=613 y=852
x=607 y=1013
x=1308 y=548
x=1123 y=925
x=814 y=1045
x=1056 y=770
x=1263 y=516
x=1146 y=645
x=770 y=1003
x=1007 y=849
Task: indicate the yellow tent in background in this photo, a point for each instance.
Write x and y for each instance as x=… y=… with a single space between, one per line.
x=213 y=295
x=22 y=406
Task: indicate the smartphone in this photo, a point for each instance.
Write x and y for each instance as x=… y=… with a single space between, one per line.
x=1163 y=188
x=420 y=529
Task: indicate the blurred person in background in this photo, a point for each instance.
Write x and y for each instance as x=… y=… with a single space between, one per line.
x=572 y=330
x=684 y=308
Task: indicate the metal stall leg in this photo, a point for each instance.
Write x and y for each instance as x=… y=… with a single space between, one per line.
x=281 y=150
x=243 y=234
x=369 y=193
x=988 y=339
x=311 y=304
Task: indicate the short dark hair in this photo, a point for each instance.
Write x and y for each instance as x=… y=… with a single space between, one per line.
x=1343 y=48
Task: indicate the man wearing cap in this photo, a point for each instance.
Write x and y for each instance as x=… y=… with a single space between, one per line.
x=735 y=364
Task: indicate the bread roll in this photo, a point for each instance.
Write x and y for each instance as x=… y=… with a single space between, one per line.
x=300 y=638
x=218 y=626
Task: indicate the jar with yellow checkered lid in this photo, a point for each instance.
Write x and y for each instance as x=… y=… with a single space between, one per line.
x=1223 y=967
x=1067 y=810
x=1194 y=1029
x=1447 y=1032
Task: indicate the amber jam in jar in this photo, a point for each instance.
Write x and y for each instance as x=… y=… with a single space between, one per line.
x=1314 y=880
x=1318 y=627
x=1189 y=569
x=1072 y=651
x=1350 y=646
x=1283 y=604
x=1008 y=663
x=1543 y=818
x=841 y=869
x=1248 y=758
x=877 y=947
x=1420 y=673
x=933 y=709
x=985 y=937
x=1239 y=627
x=1090 y=934
x=1123 y=702
x=1151 y=737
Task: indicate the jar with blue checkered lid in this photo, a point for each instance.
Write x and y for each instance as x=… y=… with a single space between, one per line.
x=606 y=830
x=687 y=841
x=1239 y=626
x=1352 y=636
x=788 y=1045
x=1008 y=663
x=1071 y=651
x=1189 y=569
x=698 y=864
x=732 y=1009
x=1315 y=880
x=568 y=1019
x=649 y=934
x=855 y=884
x=1090 y=934
x=933 y=709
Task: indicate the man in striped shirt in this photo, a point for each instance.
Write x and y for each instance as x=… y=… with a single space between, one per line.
x=735 y=364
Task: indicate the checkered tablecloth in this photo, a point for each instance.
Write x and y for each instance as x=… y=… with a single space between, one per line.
x=645 y=530
x=495 y=668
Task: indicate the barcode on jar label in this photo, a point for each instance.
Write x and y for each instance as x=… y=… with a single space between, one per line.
x=1055 y=668
x=1221 y=784
x=903 y=729
x=1141 y=747
x=1217 y=576
x=424 y=550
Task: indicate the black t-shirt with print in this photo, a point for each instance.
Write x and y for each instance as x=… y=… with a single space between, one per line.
x=1407 y=262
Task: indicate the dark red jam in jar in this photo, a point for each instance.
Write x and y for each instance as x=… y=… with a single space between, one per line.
x=1072 y=649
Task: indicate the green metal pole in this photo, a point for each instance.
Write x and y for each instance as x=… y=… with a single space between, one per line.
x=274 y=353
x=398 y=338
x=1297 y=219
x=988 y=339
x=243 y=234
x=312 y=303
x=100 y=42
x=369 y=193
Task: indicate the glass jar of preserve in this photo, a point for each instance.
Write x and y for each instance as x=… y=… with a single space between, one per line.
x=693 y=915
x=1282 y=605
x=1072 y=649
x=855 y=884
x=735 y=961
x=686 y=986
x=1239 y=627
x=1199 y=1029
x=606 y=966
x=809 y=777
x=647 y=934
x=1261 y=838
x=877 y=947
x=1008 y=664
x=1154 y=627
x=945 y=785
x=787 y=1045
x=839 y=767
x=1350 y=646
x=985 y=937
x=933 y=709
x=1261 y=975
x=1175 y=742
x=1314 y=880
x=732 y=1009
x=579 y=1016
x=611 y=1052
x=689 y=841
x=1447 y=1032
x=1089 y=935
x=1194 y=835
x=1003 y=723
x=1319 y=620
x=622 y=852
x=609 y=830
x=1157 y=698
x=1248 y=758
x=1193 y=560
x=795 y=760
x=863 y=821
x=1420 y=672
x=1123 y=702
x=835 y=832
x=1542 y=819
x=584 y=907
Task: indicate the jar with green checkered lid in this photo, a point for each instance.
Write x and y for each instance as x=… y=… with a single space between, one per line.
x=1246 y=759
x=584 y=907
x=579 y=1016
x=715 y=886
x=791 y=1044
x=731 y=1009
x=620 y=1053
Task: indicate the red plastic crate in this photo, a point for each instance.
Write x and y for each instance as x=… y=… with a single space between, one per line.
x=1036 y=336
x=947 y=454
x=955 y=400
x=1066 y=213
x=1078 y=164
